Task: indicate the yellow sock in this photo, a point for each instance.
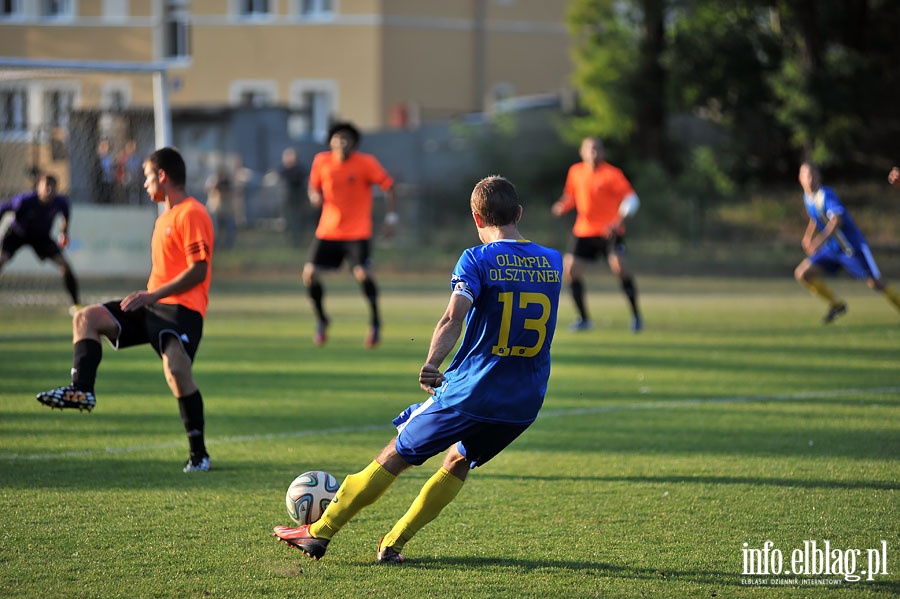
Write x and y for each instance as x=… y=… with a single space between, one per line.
x=435 y=495
x=356 y=492
x=892 y=296
x=818 y=287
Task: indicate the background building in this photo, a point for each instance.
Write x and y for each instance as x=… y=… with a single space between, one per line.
x=382 y=64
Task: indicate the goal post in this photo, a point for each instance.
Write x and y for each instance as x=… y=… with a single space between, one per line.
x=90 y=124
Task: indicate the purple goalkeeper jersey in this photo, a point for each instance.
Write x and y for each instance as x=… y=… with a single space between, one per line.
x=34 y=218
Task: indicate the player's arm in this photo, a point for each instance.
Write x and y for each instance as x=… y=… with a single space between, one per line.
x=628 y=207
x=189 y=278
x=391 y=218
x=64 y=231
x=315 y=196
x=565 y=203
x=806 y=242
x=445 y=336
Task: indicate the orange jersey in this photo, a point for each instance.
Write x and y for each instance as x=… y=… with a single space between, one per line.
x=182 y=235
x=595 y=195
x=347 y=194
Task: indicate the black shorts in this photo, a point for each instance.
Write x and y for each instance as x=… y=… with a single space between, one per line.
x=591 y=248
x=43 y=246
x=151 y=323
x=328 y=253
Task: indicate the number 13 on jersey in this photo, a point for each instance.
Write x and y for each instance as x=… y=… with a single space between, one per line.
x=513 y=304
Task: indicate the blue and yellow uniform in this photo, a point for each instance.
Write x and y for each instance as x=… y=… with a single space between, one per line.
x=500 y=372
x=847 y=248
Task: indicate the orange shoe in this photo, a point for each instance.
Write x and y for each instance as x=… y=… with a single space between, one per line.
x=373 y=338
x=302 y=540
x=321 y=335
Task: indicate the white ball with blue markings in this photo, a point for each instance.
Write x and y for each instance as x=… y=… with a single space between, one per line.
x=309 y=495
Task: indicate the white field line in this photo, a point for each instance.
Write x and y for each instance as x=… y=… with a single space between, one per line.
x=655 y=405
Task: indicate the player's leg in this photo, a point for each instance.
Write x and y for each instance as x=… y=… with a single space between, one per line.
x=573 y=275
x=178 y=369
x=864 y=267
x=9 y=246
x=88 y=325
x=323 y=255
x=436 y=494
x=316 y=293
x=480 y=443
x=68 y=275
x=810 y=275
x=175 y=332
x=358 y=253
x=359 y=490
x=618 y=264
x=356 y=492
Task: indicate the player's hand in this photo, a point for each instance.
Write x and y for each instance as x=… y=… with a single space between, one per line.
x=136 y=300
x=557 y=209
x=63 y=240
x=388 y=230
x=430 y=378
x=894 y=176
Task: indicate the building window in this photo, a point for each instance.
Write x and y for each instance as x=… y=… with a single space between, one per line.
x=250 y=9
x=10 y=9
x=57 y=9
x=58 y=104
x=316 y=9
x=253 y=94
x=13 y=110
x=312 y=105
x=115 y=96
x=177 y=29
x=116 y=10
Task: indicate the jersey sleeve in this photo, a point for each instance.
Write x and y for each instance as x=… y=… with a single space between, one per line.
x=315 y=172
x=833 y=206
x=465 y=280
x=621 y=185
x=570 y=189
x=197 y=236
x=378 y=175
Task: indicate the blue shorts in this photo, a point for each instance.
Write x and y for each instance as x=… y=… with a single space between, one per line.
x=426 y=429
x=860 y=264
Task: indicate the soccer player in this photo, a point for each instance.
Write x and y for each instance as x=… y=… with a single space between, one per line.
x=506 y=293
x=340 y=183
x=168 y=314
x=603 y=199
x=832 y=241
x=34 y=213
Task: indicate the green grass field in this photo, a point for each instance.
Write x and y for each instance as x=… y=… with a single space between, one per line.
x=735 y=418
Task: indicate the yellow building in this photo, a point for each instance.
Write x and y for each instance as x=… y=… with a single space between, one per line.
x=379 y=63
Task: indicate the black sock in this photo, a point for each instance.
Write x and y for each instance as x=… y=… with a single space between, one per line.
x=316 y=293
x=71 y=285
x=577 y=288
x=631 y=293
x=191 y=408
x=371 y=292
x=86 y=356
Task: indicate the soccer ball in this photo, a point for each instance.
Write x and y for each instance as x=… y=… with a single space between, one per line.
x=309 y=495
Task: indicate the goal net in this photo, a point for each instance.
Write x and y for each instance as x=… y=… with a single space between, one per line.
x=90 y=125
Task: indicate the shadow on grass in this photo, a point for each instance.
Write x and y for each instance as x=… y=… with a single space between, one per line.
x=753 y=481
x=607 y=570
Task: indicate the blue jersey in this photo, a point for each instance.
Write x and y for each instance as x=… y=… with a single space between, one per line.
x=34 y=218
x=821 y=207
x=501 y=369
